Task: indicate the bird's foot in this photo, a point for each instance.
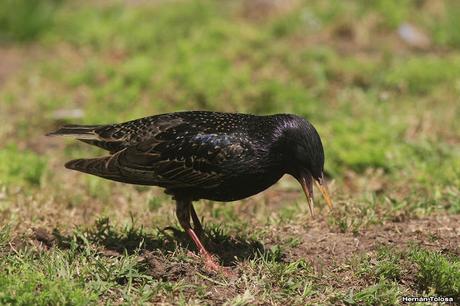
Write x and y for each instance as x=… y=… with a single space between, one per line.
x=209 y=261
x=211 y=264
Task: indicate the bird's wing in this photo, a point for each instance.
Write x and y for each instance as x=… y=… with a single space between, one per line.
x=173 y=157
x=199 y=160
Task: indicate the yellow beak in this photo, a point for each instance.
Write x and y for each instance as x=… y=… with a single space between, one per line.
x=323 y=188
x=308 y=190
x=307 y=186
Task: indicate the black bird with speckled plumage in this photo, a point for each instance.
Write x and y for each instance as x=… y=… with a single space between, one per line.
x=205 y=155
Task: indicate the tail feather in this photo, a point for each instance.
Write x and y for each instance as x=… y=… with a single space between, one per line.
x=77 y=131
x=90 y=134
x=102 y=166
x=106 y=167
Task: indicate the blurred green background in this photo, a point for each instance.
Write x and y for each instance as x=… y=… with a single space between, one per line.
x=379 y=79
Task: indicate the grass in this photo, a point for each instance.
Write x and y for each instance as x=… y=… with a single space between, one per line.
x=438 y=273
x=21 y=166
x=382 y=293
x=387 y=113
x=29 y=20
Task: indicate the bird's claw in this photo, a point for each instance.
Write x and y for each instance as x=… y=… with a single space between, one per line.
x=212 y=265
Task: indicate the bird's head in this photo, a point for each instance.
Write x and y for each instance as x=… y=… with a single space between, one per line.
x=300 y=145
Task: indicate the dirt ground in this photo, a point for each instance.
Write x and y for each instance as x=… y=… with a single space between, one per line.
x=329 y=253
x=441 y=233
x=319 y=246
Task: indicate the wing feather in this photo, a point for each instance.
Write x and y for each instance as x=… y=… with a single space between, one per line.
x=202 y=161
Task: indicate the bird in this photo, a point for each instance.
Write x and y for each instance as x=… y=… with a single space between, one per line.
x=208 y=155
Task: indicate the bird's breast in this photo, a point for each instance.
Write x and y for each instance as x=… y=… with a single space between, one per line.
x=239 y=187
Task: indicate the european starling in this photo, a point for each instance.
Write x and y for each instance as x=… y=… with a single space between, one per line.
x=205 y=155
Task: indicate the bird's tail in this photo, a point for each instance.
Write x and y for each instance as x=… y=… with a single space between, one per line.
x=77 y=131
x=106 y=167
x=101 y=166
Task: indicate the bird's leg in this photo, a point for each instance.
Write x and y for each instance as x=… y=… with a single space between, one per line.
x=183 y=210
x=199 y=228
x=196 y=222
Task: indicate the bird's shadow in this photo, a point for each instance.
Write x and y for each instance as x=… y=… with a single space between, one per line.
x=229 y=249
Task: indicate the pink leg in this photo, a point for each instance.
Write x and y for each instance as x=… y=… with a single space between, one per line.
x=209 y=260
x=183 y=209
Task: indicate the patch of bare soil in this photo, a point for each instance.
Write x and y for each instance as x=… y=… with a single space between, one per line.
x=324 y=248
x=11 y=62
x=42 y=238
x=331 y=253
x=319 y=245
x=259 y=10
